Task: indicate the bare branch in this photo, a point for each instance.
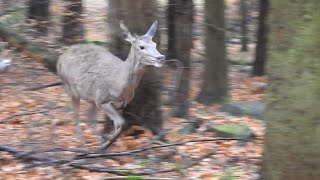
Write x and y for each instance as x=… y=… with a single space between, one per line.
x=126 y=153
x=44 y=86
x=26 y=114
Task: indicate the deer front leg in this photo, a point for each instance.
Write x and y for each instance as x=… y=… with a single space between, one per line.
x=76 y=107
x=118 y=122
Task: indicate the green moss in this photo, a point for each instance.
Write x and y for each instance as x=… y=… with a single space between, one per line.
x=134 y=178
x=239 y=130
x=292 y=116
x=231 y=128
x=227 y=176
x=100 y=43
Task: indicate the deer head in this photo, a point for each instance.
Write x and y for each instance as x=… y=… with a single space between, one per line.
x=144 y=46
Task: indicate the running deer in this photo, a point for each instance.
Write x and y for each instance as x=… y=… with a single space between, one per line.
x=92 y=73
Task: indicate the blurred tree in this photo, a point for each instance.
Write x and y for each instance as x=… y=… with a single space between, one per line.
x=138 y=15
x=244 y=24
x=292 y=140
x=215 y=84
x=171 y=21
x=39 y=13
x=183 y=37
x=261 y=48
x=73 y=30
x=5 y=5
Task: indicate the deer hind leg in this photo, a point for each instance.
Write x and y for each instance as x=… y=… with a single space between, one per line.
x=92 y=116
x=118 y=122
x=76 y=108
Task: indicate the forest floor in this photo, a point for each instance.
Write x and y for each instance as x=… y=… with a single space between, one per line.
x=43 y=120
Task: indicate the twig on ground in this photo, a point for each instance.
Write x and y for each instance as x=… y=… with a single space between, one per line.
x=23 y=114
x=126 y=153
x=20 y=155
x=43 y=86
x=72 y=162
x=26 y=114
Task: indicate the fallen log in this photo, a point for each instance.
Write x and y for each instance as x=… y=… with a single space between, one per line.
x=35 y=50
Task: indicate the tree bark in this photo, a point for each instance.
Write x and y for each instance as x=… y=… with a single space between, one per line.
x=138 y=15
x=5 y=5
x=73 y=30
x=183 y=32
x=171 y=21
x=39 y=12
x=244 y=24
x=292 y=142
x=215 y=81
x=261 y=48
x=35 y=50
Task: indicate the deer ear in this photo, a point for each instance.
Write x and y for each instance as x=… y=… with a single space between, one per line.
x=126 y=32
x=152 y=31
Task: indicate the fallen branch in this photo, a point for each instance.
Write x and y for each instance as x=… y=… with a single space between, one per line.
x=132 y=152
x=72 y=162
x=118 y=171
x=21 y=155
x=26 y=114
x=44 y=86
x=27 y=156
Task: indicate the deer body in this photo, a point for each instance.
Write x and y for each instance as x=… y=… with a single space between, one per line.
x=94 y=74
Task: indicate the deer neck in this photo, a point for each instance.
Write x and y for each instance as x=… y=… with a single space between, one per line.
x=135 y=68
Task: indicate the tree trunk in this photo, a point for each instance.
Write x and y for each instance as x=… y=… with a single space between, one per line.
x=138 y=15
x=39 y=12
x=261 y=48
x=244 y=23
x=292 y=140
x=5 y=5
x=215 y=85
x=171 y=21
x=183 y=32
x=73 y=30
x=35 y=50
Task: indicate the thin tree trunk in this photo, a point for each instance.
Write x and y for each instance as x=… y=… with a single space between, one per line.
x=39 y=12
x=183 y=31
x=5 y=5
x=215 y=81
x=138 y=15
x=244 y=24
x=292 y=142
x=261 y=48
x=73 y=30
x=171 y=20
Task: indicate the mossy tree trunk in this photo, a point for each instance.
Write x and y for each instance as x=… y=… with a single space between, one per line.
x=292 y=139
x=73 y=30
x=138 y=15
x=39 y=12
x=215 y=85
x=261 y=48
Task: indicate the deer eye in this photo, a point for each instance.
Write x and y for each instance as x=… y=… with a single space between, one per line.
x=141 y=47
